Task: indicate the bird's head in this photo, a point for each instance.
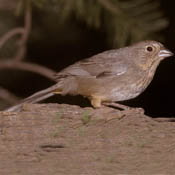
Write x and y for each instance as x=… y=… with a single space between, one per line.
x=146 y=53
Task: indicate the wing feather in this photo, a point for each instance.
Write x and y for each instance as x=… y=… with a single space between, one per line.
x=108 y=63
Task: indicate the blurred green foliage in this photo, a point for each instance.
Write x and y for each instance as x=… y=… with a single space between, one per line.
x=124 y=21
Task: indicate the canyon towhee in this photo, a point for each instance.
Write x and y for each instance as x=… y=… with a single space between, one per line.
x=111 y=76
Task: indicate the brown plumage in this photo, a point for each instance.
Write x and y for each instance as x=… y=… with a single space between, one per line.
x=111 y=76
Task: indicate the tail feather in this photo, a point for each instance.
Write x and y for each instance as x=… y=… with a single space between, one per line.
x=37 y=97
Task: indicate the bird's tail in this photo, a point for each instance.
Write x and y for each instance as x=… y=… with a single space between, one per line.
x=37 y=97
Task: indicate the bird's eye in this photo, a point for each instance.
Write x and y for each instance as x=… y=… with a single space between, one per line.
x=149 y=49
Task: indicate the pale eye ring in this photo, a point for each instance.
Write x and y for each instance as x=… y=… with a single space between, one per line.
x=149 y=48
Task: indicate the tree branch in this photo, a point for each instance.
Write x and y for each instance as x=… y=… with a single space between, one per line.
x=8 y=96
x=16 y=62
x=10 y=34
x=46 y=72
x=27 y=27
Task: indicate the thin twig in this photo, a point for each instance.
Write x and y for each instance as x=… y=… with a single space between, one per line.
x=8 y=96
x=10 y=34
x=46 y=72
x=16 y=62
x=27 y=27
x=28 y=20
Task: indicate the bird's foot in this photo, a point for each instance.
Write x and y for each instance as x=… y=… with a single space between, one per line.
x=123 y=107
x=120 y=115
x=122 y=111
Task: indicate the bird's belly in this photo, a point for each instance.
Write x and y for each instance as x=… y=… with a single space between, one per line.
x=125 y=93
x=129 y=89
x=112 y=90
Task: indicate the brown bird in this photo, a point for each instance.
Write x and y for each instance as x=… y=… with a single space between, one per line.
x=111 y=76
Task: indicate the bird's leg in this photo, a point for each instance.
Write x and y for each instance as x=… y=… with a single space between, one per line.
x=95 y=101
x=116 y=105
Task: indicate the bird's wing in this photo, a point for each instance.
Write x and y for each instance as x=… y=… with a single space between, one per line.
x=99 y=66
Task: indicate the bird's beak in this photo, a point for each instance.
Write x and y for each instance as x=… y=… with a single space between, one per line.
x=165 y=53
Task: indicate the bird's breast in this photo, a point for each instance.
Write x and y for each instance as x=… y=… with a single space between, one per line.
x=130 y=89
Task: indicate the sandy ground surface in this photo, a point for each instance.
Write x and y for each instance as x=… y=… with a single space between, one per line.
x=59 y=139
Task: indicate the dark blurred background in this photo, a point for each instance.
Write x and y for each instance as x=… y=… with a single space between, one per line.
x=65 y=31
